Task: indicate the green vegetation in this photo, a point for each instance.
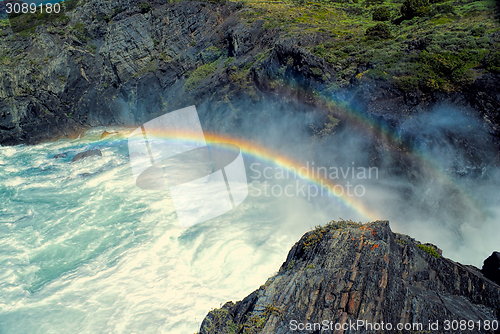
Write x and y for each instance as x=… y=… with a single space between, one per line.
x=442 y=47
x=412 y=8
x=5 y=60
x=200 y=74
x=150 y=67
x=165 y=57
x=219 y=317
x=493 y=63
x=256 y=321
x=380 y=30
x=25 y=24
x=314 y=238
x=319 y=232
x=429 y=249
x=228 y=61
x=63 y=19
x=422 y=45
x=145 y=7
x=70 y=5
x=92 y=48
x=381 y=14
x=80 y=27
x=28 y=32
x=211 y=54
x=110 y=16
x=4 y=23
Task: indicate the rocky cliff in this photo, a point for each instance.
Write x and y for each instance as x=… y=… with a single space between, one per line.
x=367 y=279
x=127 y=61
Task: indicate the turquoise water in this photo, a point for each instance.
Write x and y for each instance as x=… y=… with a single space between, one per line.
x=96 y=254
x=83 y=250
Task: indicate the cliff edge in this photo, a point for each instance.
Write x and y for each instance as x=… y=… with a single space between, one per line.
x=125 y=62
x=348 y=277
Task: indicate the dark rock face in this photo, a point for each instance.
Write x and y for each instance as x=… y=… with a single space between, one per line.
x=86 y=154
x=491 y=267
x=60 y=155
x=125 y=67
x=3 y=11
x=348 y=272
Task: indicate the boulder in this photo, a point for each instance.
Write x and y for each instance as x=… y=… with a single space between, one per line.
x=491 y=267
x=106 y=133
x=61 y=155
x=86 y=154
x=348 y=273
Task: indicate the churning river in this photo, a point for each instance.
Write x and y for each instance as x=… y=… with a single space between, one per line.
x=84 y=250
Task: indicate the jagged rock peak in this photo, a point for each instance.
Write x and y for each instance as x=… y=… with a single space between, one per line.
x=345 y=272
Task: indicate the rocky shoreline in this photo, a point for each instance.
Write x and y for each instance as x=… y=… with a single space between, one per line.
x=345 y=272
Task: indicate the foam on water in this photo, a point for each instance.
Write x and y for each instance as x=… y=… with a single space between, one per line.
x=93 y=253
x=84 y=250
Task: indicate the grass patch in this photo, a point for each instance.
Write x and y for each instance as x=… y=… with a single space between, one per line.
x=26 y=33
x=4 y=23
x=219 y=317
x=450 y=32
x=5 y=60
x=429 y=249
x=441 y=20
x=200 y=74
x=319 y=232
x=92 y=47
x=26 y=23
x=79 y=27
x=150 y=67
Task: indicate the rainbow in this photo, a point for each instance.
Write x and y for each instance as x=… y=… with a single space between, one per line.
x=394 y=143
x=262 y=153
x=341 y=110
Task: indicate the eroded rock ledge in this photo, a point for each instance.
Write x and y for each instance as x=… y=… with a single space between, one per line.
x=347 y=271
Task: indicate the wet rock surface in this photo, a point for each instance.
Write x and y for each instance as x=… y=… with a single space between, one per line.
x=87 y=154
x=345 y=272
x=60 y=155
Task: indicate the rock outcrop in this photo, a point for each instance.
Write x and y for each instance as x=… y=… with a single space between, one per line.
x=60 y=155
x=491 y=267
x=347 y=273
x=86 y=154
x=127 y=61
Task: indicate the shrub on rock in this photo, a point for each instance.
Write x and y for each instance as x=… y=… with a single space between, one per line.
x=145 y=7
x=412 y=8
x=381 y=14
x=380 y=30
